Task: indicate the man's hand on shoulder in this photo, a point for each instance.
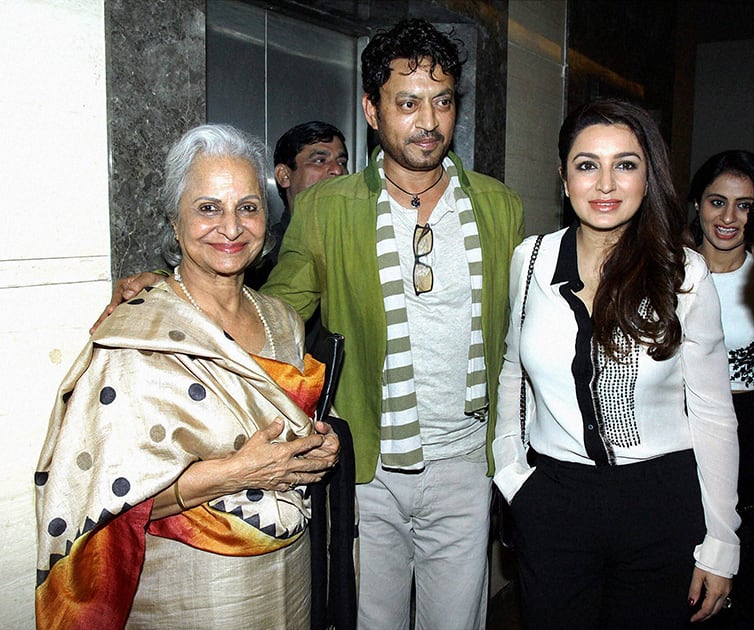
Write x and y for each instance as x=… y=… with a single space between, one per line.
x=124 y=290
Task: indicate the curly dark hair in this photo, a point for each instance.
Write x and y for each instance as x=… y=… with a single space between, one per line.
x=648 y=260
x=735 y=162
x=413 y=39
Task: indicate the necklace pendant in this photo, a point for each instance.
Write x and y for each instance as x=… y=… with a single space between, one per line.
x=415 y=202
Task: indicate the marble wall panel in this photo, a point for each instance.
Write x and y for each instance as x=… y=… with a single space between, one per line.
x=490 y=68
x=156 y=91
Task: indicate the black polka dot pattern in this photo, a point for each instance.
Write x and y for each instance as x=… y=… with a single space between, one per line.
x=254 y=495
x=176 y=335
x=107 y=395
x=56 y=527
x=136 y=301
x=121 y=487
x=197 y=392
x=40 y=478
x=239 y=441
x=157 y=433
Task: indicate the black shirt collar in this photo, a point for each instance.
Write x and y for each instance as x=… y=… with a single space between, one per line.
x=567 y=267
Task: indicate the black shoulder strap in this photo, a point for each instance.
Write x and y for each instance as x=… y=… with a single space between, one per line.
x=529 y=274
x=522 y=394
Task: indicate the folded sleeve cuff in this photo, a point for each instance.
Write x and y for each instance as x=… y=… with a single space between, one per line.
x=511 y=478
x=718 y=557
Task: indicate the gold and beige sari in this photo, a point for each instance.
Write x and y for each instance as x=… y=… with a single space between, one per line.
x=158 y=387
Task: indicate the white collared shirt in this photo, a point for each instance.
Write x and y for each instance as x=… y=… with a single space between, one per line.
x=619 y=414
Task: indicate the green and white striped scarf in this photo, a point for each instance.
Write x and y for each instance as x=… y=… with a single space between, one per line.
x=400 y=439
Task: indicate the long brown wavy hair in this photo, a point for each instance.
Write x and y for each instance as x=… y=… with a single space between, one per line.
x=647 y=261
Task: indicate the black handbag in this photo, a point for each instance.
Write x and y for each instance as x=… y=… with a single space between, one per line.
x=328 y=348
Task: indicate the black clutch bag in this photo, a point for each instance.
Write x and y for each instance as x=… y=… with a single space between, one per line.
x=328 y=349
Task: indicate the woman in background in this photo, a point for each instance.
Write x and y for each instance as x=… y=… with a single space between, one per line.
x=626 y=517
x=722 y=191
x=171 y=487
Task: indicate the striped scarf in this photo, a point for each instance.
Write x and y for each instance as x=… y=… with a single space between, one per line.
x=400 y=438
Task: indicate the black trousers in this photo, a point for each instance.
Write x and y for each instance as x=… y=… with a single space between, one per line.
x=741 y=615
x=608 y=547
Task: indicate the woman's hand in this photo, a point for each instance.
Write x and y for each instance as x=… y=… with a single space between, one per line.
x=267 y=465
x=260 y=463
x=124 y=290
x=330 y=446
x=716 y=589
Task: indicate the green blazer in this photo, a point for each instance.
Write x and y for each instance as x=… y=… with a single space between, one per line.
x=328 y=257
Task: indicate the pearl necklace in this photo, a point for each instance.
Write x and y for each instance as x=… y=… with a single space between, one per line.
x=247 y=294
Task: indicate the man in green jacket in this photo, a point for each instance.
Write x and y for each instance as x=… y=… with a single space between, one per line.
x=409 y=260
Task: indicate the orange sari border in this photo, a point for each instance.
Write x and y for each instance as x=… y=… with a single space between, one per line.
x=93 y=586
x=303 y=389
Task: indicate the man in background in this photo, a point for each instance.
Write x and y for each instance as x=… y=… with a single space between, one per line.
x=305 y=155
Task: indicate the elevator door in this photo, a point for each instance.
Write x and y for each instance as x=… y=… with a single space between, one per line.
x=267 y=72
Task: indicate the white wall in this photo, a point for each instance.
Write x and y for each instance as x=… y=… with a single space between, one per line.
x=536 y=87
x=54 y=244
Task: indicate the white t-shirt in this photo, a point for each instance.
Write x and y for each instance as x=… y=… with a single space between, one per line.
x=439 y=324
x=736 y=292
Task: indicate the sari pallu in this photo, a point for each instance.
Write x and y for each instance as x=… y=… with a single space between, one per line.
x=158 y=387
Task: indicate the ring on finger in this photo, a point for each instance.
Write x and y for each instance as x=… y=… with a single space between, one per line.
x=727 y=602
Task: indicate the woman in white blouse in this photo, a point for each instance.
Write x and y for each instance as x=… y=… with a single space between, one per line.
x=722 y=191
x=625 y=508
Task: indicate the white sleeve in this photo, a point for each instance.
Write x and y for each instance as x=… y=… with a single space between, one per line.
x=712 y=420
x=509 y=452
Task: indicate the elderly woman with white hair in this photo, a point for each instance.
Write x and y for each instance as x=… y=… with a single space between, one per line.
x=171 y=489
